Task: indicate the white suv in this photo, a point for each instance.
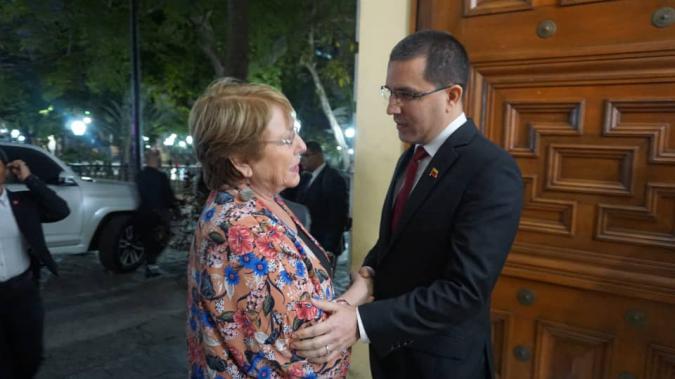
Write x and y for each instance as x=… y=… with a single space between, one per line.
x=100 y=210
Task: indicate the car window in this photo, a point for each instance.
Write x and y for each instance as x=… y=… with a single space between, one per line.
x=39 y=163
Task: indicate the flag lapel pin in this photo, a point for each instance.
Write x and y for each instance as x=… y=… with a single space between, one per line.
x=433 y=173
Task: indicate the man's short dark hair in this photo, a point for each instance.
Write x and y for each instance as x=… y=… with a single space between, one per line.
x=3 y=157
x=447 y=60
x=314 y=147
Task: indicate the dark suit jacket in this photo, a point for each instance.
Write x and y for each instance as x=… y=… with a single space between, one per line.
x=327 y=201
x=32 y=208
x=436 y=272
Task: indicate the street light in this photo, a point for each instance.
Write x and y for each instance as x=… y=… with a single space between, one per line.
x=78 y=127
x=350 y=132
x=51 y=144
x=297 y=125
x=170 y=140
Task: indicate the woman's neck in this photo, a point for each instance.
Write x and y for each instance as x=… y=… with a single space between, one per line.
x=266 y=196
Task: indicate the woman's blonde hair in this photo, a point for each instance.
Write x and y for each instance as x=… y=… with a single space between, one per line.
x=229 y=119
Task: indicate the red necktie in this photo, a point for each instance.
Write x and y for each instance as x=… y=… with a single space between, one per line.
x=402 y=197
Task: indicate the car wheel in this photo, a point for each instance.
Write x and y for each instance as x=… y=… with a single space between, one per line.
x=120 y=250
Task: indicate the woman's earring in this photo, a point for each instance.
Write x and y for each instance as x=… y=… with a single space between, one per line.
x=245 y=194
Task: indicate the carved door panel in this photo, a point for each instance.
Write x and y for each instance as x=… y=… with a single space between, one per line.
x=582 y=94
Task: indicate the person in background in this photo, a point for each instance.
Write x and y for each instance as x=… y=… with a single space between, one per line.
x=325 y=195
x=448 y=221
x=253 y=268
x=23 y=252
x=153 y=217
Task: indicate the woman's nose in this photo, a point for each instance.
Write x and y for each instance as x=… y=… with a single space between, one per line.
x=300 y=146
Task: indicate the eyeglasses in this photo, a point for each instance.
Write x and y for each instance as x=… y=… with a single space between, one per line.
x=285 y=141
x=405 y=96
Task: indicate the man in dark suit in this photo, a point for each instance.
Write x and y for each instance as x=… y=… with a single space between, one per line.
x=449 y=218
x=153 y=217
x=23 y=252
x=324 y=193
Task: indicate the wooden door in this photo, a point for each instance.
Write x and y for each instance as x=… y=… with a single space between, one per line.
x=587 y=108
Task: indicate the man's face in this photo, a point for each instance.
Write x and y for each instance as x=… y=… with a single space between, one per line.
x=310 y=160
x=418 y=121
x=3 y=174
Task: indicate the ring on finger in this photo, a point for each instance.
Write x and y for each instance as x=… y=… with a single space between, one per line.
x=327 y=351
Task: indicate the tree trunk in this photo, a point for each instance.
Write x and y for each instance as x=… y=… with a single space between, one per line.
x=236 y=59
x=208 y=44
x=328 y=111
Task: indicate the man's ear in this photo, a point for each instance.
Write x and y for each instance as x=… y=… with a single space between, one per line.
x=243 y=166
x=455 y=95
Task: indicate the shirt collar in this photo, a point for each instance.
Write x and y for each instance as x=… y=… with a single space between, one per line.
x=316 y=172
x=433 y=146
x=4 y=199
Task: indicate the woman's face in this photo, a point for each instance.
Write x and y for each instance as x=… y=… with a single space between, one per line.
x=278 y=166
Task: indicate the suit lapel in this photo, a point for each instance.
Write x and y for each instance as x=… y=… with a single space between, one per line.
x=322 y=255
x=21 y=216
x=18 y=210
x=385 y=230
x=310 y=189
x=441 y=165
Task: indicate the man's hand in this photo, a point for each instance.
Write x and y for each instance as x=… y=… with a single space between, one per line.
x=19 y=169
x=367 y=272
x=361 y=289
x=323 y=342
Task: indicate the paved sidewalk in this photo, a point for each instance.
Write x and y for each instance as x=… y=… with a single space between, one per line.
x=101 y=325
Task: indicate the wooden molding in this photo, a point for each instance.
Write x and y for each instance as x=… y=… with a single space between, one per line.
x=577 y=2
x=481 y=7
x=658 y=132
x=501 y=335
x=546 y=215
x=523 y=114
x=625 y=276
x=660 y=362
x=619 y=159
x=654 y=219
x=567 y=351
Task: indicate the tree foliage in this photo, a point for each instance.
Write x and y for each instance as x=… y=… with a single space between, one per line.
x=74 y=55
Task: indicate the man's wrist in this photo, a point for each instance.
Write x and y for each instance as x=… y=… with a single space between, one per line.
x=343 y=301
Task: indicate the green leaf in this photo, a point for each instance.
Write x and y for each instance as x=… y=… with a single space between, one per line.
x=323 y=275
x=226 y=316
x=297 y=323
x=216 y=237
x=268 y=304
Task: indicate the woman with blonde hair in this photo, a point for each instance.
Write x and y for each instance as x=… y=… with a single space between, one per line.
x=253 y=268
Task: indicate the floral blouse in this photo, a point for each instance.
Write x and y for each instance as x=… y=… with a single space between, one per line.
x=250 y=281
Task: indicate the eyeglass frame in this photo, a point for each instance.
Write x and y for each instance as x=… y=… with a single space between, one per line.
x=405 y=96
x=285 y=141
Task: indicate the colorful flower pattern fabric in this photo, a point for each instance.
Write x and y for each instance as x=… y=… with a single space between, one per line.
x=250 y=282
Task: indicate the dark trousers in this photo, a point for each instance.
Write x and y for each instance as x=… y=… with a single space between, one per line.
x=408 y=363
x=21 y=327
x=154 y=230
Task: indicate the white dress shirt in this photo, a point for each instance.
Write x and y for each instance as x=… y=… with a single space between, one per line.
x=431 y=148
x=13 y=256
x=316 y=173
